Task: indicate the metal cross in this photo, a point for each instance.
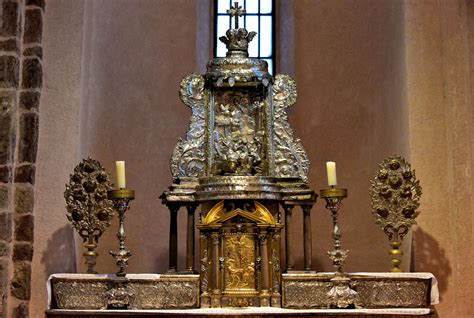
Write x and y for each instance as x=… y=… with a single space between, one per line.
x=236 y=12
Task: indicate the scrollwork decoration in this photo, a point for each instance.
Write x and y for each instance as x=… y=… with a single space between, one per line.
x=188 y=159
x=290 y=157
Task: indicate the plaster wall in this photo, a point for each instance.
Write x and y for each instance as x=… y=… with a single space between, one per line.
x=439 y=54
x=58 y=145
x=135 y=54
x=350 y=72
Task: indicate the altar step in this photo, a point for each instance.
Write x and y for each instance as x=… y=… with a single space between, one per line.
x=248 y=313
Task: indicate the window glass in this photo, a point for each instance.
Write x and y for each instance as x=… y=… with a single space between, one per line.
x=259 y=17
x=251 y=6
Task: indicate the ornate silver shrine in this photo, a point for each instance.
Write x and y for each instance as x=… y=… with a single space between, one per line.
x=239 y=162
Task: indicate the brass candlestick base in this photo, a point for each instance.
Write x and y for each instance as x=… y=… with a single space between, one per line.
x=121 y=199
x=119 y=296
x=340 y=295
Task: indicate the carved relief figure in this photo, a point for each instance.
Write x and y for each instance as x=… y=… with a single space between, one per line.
x=240 y=262
x=238 y=132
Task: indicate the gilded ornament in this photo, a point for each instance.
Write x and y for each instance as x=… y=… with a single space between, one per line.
x=395 y=193
x=121 y=199
x=88 y=208
x=240 y=262
x=303 y=291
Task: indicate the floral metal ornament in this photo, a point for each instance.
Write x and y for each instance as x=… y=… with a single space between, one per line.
x=291 y=159
x=395 y=193
x=88 y=208
x=189 y=157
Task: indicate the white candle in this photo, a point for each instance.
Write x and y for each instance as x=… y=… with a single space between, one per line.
x=331 y=170
x=120 y=166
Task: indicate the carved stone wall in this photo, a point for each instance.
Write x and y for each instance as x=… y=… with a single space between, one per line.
x=20 y=89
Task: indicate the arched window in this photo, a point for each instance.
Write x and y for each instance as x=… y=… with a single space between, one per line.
x=259 y=17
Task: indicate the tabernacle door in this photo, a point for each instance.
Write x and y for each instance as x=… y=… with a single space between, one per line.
x=240 y=273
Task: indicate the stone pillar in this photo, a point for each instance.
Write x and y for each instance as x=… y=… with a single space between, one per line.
x=290 y=264
x=173 y=242
x=21 y=81
x=264 y=292
x=307 y=236
x=190 y=239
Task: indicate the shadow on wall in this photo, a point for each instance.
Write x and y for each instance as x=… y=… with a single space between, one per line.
x=431 y=257
x=59 y=255
x=162 y=259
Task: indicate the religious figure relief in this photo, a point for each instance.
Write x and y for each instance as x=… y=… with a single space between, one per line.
x=290 y=157
x=276 y=271
x=189 y=158
x=240 y=262
x=204 y=274
x=238 y=134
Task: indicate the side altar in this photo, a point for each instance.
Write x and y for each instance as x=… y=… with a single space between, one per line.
x=240 y=173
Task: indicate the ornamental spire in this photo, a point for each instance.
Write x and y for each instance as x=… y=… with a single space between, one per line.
x=235 y=12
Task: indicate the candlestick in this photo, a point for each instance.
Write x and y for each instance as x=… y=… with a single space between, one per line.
x=120 y=168
x=331 y=171
x=121 y=200
x=340 y=295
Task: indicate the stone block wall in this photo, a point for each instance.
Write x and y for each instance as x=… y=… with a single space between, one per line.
x=20 y=89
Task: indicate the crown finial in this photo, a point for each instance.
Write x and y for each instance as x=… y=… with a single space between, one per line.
x=236 y=11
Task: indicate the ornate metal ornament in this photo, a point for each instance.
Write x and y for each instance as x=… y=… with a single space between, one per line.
x=256 y=212
x=395 y=194
x=189 y=158
x=239 y=161
x=139 y=292
x=240 y=263
x=239 y=124
x=119 y=297
x=240 y=242
x=88 y=208
x=304 y=291
x=341 y=295
x=121 y=199
x=290 y=157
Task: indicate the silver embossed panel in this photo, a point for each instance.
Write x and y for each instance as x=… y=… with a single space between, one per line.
x=166 y=292
x=310 y=291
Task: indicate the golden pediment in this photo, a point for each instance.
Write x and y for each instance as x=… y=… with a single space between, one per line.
x=218 y=214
